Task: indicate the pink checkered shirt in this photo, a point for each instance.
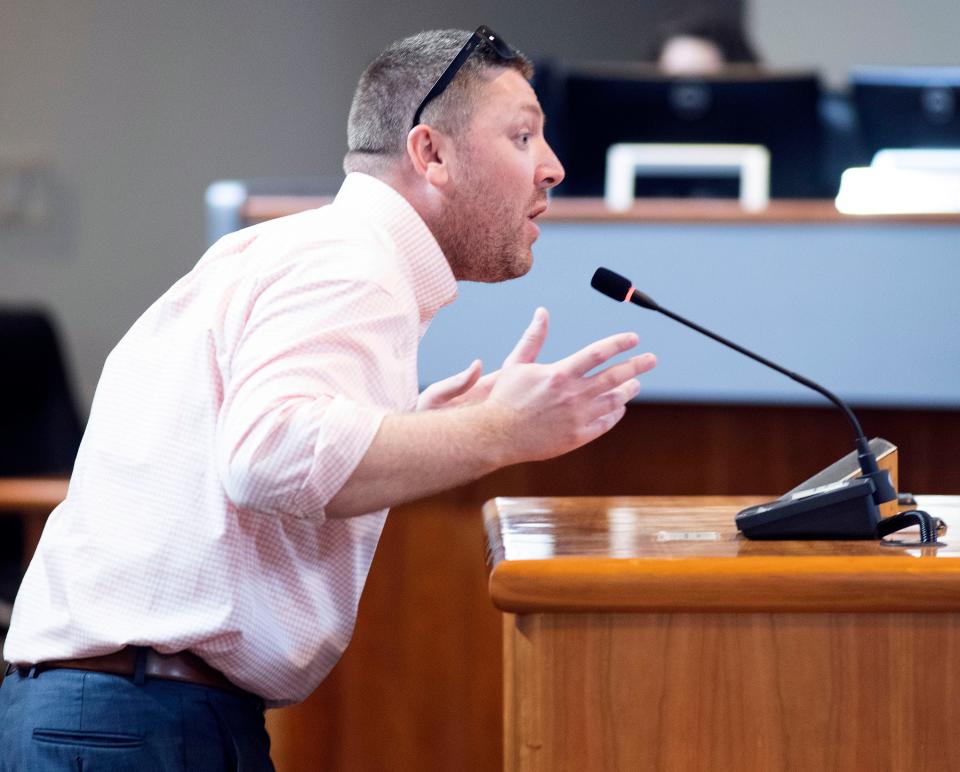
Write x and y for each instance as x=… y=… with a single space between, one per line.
x=225 y=420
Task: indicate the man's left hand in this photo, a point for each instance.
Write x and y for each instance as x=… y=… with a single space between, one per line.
x=467 y=387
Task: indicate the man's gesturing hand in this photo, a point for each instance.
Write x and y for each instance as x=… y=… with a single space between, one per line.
x=523 y=412
x=467 y=387
x=547 y=410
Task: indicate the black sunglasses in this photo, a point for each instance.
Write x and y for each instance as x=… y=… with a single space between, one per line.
x=482 y=34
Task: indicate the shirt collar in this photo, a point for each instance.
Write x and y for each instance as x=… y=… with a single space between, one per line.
x=434 y=285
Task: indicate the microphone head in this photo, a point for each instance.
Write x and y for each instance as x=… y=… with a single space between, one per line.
x=611 y=284
x=620 y=288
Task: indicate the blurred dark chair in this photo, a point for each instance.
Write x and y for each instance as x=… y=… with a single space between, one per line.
x=41 y=425
x=40 y=430
x=843 y=144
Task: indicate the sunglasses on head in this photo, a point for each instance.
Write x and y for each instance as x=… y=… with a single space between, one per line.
x=482 y=34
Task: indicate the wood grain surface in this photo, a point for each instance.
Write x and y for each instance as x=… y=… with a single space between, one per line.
x=685 y=554
x=32 y=493
x=672 y=666
x=718 y=692
x=31 y=499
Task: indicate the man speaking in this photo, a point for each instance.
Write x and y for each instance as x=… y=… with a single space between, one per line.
x=251 y=429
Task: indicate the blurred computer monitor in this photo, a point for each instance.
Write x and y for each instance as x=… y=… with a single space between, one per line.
x=908 y=107
x=590 y=109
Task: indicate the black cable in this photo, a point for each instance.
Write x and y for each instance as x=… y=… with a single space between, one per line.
x=927 y=523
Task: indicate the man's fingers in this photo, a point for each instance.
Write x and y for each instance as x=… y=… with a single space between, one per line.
x=609 y=408
x=441 y=392
x=602 y=424
x=597 y=353
x=613 y=400
x=616 y=374
x=530 y=343
x=464 y=380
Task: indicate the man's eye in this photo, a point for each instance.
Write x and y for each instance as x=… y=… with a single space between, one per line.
x=524 y=138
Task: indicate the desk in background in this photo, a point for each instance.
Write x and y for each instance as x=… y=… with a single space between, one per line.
x=32 y=499
x=866 y=305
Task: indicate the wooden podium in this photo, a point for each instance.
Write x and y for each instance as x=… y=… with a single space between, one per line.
x=645 y=634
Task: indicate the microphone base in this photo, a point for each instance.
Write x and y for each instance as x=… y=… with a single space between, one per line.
x=841 y=510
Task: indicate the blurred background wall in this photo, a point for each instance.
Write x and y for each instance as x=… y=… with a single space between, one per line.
x=133 y=108
x=834 y=35
x=129 y=110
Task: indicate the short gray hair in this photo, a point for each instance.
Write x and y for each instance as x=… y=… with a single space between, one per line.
x=394 y=83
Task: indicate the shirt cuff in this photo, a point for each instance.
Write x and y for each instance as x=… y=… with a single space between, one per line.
x=345 y=434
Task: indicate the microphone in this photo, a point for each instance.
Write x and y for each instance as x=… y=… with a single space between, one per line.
x=842 y=510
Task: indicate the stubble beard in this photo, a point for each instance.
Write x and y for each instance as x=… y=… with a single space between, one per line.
x=484 y=236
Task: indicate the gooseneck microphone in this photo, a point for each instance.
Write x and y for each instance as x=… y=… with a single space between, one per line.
x=822 y=518
x=618 y=287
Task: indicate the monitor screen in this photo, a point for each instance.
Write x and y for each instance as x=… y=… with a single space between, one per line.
x=907 y=107
x=590 y=110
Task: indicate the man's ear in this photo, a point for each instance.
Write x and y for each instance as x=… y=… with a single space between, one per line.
x=427 y=148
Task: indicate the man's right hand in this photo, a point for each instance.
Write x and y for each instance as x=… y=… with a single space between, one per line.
x=545 y=410
x=523 y=412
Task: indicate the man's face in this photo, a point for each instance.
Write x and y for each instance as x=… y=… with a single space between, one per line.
x=502 y=170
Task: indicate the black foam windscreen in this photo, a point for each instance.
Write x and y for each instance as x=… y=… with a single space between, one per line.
x=611 y=284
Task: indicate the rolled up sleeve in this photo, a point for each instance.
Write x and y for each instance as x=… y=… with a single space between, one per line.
x=305 y=389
